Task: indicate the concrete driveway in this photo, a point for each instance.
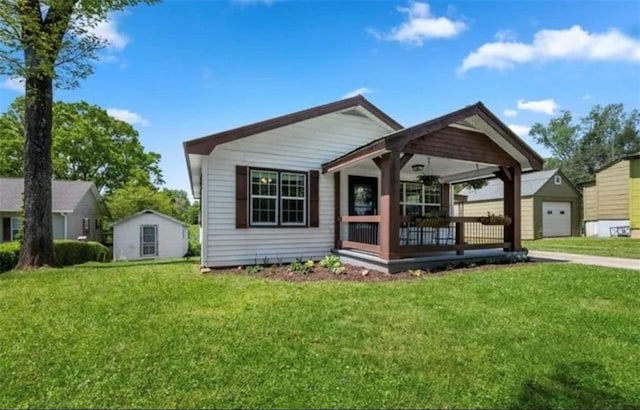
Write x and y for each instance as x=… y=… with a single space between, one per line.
x=586 y=259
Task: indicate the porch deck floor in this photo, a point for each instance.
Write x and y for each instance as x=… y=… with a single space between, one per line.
x=432 y=260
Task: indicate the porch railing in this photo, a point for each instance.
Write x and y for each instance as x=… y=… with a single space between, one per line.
x=362 y=232
x=462 y=233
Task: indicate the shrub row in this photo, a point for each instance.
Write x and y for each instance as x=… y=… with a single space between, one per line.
x=67 y=253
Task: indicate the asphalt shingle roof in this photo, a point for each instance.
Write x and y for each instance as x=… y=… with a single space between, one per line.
x=530 y=182
x=65 y=194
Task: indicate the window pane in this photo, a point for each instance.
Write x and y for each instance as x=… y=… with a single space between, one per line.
x=264 y=182
x=293 y=185
x=412 y=210
x=414 y=193
x=432 y=194
x=263 y=210
x=293 y=211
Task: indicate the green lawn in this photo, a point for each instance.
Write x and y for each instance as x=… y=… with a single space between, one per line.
x=618 y=247
x=164 y=335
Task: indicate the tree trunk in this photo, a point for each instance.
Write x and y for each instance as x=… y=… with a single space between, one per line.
x=37 y=239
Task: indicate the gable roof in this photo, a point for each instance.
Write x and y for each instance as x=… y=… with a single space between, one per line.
x=462 y=117
x=204 y=145
x=149 y=211
x=531 y=183
x=65 y=195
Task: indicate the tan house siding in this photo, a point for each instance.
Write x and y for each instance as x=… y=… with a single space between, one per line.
x=590 y=202
x=497 y=207
x=87 y=208
x=613 y=191
x=634 y=192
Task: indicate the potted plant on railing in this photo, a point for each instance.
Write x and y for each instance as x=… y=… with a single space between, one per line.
x=433 y=220
x=492 y=219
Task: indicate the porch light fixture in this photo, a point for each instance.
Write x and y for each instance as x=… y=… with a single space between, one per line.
x=417 y=167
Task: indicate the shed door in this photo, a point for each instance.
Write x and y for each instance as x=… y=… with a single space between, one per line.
x=556 y=219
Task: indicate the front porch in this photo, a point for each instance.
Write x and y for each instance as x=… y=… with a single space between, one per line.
x=382 y=229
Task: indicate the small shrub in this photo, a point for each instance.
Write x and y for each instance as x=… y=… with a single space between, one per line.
x=9 y=252
x=254 y=269
x=334 y=264
x=416 y=272
x=69 y=252
x=300 y=267
x=66 y=253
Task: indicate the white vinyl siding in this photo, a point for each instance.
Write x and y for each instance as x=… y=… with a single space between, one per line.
x=299 y=147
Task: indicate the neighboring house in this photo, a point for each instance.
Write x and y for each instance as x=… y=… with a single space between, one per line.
x=341 y=177
x=612 y=201
x=149 y=235
x=550 y=204
x=77 y=209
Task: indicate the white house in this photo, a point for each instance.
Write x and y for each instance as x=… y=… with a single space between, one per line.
x=149 y=235
x=341 y=177
x=77 y=209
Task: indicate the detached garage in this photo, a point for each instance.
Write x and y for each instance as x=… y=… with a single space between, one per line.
x=550 y=204
x=149 y=235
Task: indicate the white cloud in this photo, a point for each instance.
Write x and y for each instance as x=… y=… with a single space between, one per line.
x=586 y=97
x=548 y=106
x=574 y=43
x=107 y=30
x=358 y=91
x=14 y=84
x=520 y=130
x=421 y=25
x=128 y=117
x=510 y=113
x=505 y=35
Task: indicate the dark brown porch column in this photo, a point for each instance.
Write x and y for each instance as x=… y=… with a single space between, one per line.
x=512 y=201
x=390 y=206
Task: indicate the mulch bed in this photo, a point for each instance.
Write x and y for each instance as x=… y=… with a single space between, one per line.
x=352 y=273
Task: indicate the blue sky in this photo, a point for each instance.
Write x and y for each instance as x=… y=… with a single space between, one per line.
x=183 y=69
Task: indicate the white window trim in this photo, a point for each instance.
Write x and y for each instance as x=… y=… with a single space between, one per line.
x=252 y=196
x=557 y=180
x=279 y=198
x=296 y=198
x=155 y=242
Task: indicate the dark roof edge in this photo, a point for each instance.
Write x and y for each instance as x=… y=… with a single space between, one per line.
x=204 y=145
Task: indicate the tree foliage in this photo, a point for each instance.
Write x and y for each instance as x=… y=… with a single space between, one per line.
x=134 y=197
x=88 y=144
x=47 y=42
x=580 y=148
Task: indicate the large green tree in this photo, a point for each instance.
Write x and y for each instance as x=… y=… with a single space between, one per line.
x=582 y=147
x=88 y=144
x=47 y=42
x=134 y=197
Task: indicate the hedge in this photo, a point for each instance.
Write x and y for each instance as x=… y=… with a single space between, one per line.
x=67 y=252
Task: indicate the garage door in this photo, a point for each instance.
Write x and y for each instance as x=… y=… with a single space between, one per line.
x=556 y=219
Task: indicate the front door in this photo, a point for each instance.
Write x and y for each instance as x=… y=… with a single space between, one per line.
x=363 y=200
x=6 y=230
x=363 y=195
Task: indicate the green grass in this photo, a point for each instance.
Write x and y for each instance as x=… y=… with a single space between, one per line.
x=164 y=335
x=617 y=247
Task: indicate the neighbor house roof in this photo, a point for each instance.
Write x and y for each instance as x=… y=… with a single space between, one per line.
x=65 y=195
x=531 y=183
x=149 y=211
x=615 y=161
